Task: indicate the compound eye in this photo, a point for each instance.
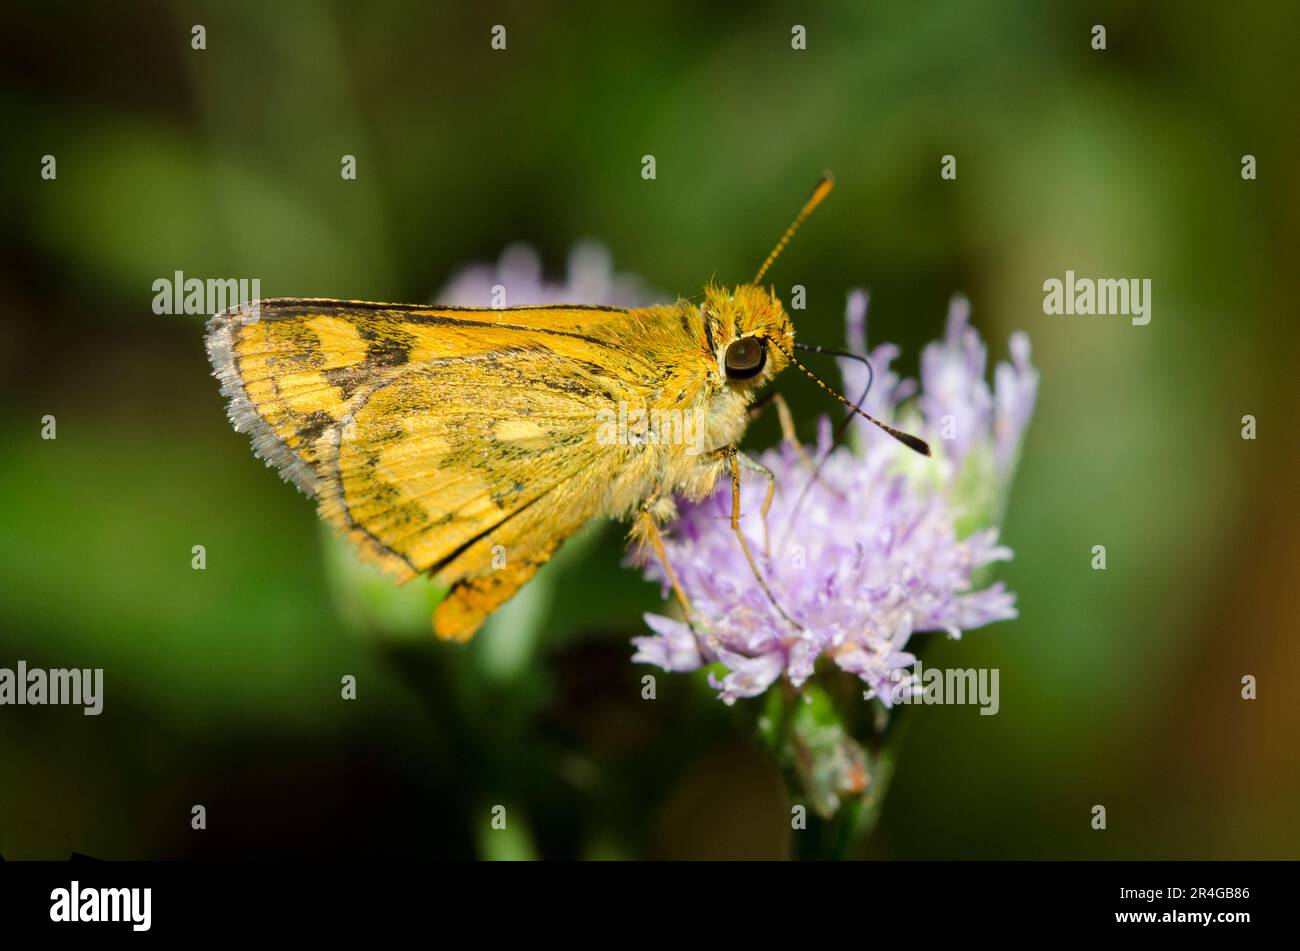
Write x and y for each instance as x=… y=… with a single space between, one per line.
x=745 y=358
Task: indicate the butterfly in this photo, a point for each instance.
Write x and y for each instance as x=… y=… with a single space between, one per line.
x=467 y=444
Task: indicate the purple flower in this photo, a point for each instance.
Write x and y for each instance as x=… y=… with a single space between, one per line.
x=954 y=393
x=883 y=544
x=518 y=276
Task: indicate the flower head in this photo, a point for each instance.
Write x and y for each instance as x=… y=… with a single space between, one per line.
x=881 y=545
x=590 y=279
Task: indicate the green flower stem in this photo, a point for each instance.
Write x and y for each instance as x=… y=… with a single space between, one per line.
x=839 y=780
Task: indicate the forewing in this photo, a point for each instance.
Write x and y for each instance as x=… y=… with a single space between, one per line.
x=455 y=443
x=435 y=457
x=289 y=367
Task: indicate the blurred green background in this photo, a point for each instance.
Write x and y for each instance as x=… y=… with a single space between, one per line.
x=222 y=686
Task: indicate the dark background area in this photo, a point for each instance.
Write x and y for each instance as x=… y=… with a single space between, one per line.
x=1119 y=687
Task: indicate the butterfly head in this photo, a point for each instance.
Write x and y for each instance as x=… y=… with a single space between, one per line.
x=740 y=325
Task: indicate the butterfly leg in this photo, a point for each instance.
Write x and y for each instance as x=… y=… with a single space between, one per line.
x=786 y=418
x=765 y=472
x=648 y=529
x=734 y=457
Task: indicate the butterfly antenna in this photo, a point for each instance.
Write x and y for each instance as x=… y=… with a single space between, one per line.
x=823 y=189
x=911 y=442
x=843 y=426
x=840 y=430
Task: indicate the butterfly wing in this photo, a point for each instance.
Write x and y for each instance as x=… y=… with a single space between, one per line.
x=458 y=443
